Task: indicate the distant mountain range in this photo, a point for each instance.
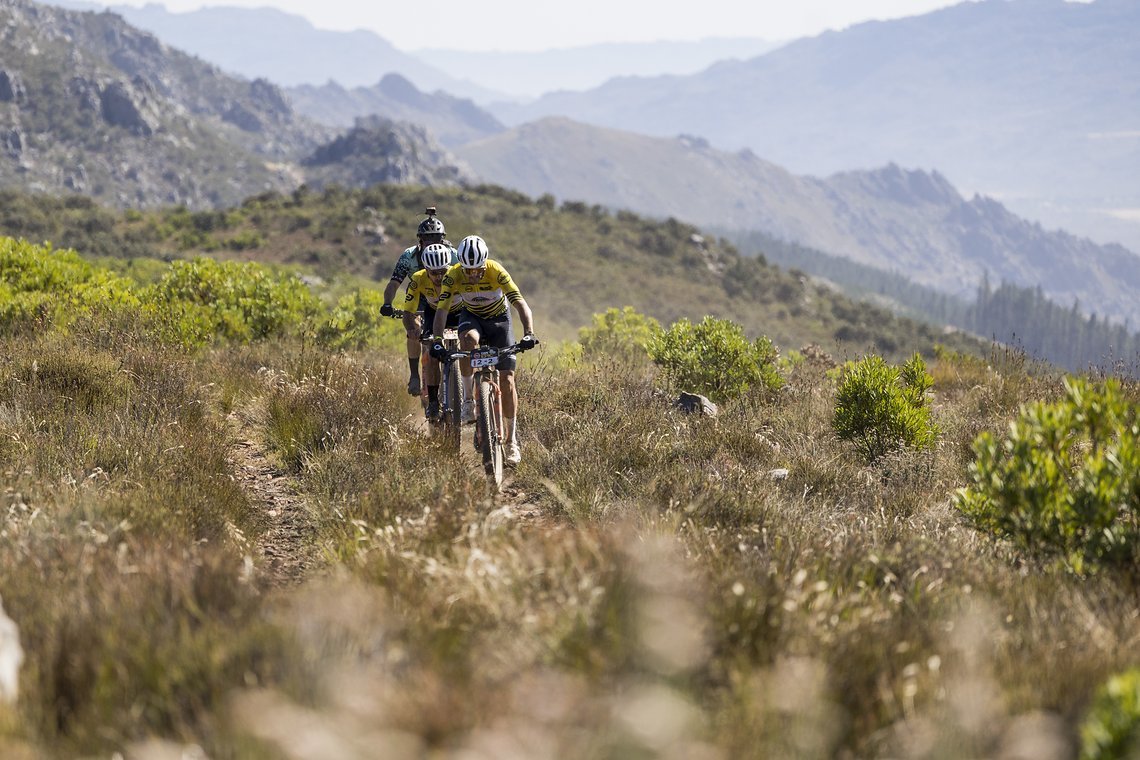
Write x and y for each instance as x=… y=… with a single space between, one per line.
x=913 y=222
x=526 y=75
x=1033 y=102
x=264 y=43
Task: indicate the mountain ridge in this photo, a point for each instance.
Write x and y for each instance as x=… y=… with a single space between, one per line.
x=1016 y=118
x=452 y=120
x=892 y=218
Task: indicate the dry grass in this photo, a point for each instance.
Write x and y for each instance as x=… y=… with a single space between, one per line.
x=645 y=588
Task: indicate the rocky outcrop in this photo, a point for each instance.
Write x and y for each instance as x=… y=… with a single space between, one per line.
x=11 y=87
x=11 y=141
x=128 y=106
x=378 y=150
x=153 y=125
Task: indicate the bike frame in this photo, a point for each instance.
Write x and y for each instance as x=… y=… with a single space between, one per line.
x=488 y=404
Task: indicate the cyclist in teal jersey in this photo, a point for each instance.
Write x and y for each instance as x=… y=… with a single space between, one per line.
x=429 y=232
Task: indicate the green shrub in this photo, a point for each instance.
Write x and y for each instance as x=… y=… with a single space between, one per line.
x=40 y=285
x=714 y=357
x=1065 y=478
x=620 y=333
x=1112 y=728
x=880 y=407
x=355 y=322
x=233 y=300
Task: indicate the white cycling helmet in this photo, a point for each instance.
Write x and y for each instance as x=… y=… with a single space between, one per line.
x=473 y=252
x=436 y=256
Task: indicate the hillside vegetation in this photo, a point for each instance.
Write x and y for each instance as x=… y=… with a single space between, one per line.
x=571 y=260
x=651 y=583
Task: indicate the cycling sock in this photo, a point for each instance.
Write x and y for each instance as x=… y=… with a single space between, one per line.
x=468 y=386
x=509 y=429
x=414 y=366
x=433 y=394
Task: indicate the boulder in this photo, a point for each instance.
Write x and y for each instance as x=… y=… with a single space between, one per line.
x=694 y=403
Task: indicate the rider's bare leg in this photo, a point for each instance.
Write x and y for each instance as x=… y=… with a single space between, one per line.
x=431 y=372
x=510 y=403
x=468 y=341
x=412 y=328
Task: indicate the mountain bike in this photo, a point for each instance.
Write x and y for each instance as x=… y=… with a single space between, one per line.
x=450 y=396
x=449 y=420
x=488 y=405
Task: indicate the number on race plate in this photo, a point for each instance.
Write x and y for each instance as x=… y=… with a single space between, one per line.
x=484 y=361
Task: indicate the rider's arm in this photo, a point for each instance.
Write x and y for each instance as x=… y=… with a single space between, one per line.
x=525 y=316
x=390 y=290
x=406 y=265
x=443 y=305
x=440 y=322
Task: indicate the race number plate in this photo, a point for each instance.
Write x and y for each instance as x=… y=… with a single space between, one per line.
x=484 y=361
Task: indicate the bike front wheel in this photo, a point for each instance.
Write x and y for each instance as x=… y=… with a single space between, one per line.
x=490 y=435
x=453 y=406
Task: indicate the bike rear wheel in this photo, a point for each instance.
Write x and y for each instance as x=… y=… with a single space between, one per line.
x=490 y=437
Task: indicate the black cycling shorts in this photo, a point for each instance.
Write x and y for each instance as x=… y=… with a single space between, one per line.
x=429 y=318
x=496 y=331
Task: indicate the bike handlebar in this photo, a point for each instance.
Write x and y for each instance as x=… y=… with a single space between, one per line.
x=487 y=351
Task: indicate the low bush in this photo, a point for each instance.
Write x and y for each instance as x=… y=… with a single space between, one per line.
x=714 y=357
x=355 y=323
x=39 y=285
x=1111 y=730
x=233 y=300
x=881 y=408
x=1064 y=479
x=619 y=333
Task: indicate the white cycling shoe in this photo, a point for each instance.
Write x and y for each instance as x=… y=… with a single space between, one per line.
x=514 y=454
x=467 y=412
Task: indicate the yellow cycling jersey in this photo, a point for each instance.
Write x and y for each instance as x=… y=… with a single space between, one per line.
x=488 y=297
x=420 y=284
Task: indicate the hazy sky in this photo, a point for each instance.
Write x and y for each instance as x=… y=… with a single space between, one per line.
x=541 y=24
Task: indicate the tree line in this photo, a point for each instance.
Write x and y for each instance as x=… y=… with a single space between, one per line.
x=1023 y=317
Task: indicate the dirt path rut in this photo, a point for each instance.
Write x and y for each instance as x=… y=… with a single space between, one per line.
x=286 y=550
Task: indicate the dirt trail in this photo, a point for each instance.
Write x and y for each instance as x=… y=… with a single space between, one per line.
x=520 y=502
x=287 y=549
x=286 y=552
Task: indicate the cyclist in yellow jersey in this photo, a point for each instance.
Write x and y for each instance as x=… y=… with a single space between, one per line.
x=426 y=285
x=481 y=291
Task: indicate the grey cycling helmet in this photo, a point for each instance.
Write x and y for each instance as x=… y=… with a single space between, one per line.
x=436 y=256
x=430 y=226
x=473 y=252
